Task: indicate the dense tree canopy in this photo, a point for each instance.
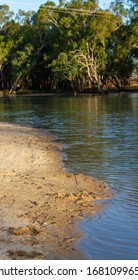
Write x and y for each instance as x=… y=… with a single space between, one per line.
x=73 y=46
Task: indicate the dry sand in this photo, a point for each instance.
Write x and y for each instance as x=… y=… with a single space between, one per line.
x=40 y=201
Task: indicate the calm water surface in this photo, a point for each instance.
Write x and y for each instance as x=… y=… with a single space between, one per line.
x=100 y=138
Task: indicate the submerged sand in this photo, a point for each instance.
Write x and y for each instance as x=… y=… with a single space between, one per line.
x=40 y=201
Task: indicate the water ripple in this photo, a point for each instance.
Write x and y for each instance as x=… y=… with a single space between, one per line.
x=100 y=137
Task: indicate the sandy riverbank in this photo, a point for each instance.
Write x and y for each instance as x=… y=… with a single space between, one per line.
x=40 y=202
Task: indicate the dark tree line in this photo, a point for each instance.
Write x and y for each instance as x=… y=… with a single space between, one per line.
x=71 y=47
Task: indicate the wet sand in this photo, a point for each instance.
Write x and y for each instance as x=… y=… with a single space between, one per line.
x=40 y=201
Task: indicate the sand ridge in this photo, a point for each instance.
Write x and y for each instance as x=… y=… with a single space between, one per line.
x=40 y=201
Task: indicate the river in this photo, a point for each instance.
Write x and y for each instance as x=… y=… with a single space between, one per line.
x=99 y=135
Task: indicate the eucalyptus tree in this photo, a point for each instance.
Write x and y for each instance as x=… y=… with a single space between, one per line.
x=92 y=49
x=5 y=17
x=66 y=68
x=6 y=41
x=42 y=42
x=6 y=45
x=62 y=34
x=20 y=53
x=122 y=48
x=80 y=30
x=21 y=62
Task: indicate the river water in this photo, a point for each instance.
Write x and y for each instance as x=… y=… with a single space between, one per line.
x=100 y=138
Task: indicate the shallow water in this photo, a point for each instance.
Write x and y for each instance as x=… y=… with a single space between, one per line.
x=100 y=138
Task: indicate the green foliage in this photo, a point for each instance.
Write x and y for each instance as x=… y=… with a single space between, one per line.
x=5 y=16
x=21 y=60
x=65 y=67
x=120 y=55
x=78 y=43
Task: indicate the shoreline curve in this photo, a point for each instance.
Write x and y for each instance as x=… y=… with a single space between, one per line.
x=40 y=200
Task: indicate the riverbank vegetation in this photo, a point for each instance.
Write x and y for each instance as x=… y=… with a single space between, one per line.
x=74 y=46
